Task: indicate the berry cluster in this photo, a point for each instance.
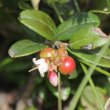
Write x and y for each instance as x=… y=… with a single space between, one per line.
x=52 y=61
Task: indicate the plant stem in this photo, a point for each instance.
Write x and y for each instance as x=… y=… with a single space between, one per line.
x=76 y=98
x=57 y=12
x=76 y=6
x=35 y=4
x=93 y=87
x=59 y=93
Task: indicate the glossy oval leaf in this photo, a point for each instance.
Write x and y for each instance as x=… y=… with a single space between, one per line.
x=39 y=22
x=88 y=37
x=24 y=48
x=104 y=62
x=68 y=27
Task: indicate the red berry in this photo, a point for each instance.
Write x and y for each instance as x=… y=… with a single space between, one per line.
x=53 y=78
x=48 y=53
x=67 y=66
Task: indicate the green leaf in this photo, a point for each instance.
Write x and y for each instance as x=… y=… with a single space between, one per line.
x=106 y=54
x=39 y=22
x=67 y=28
x=5 y=62
x=88 y=37
x=24 y=48
x=88 y=99
x=73 y=75
x=104 y=62
x=23 y=5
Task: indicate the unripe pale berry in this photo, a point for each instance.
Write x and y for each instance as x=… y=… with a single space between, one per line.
x=49 y=53
x=61 y=54
x=67 y=66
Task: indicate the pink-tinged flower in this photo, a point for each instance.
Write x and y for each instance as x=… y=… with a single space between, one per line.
x=53 y=78
x=42 y=66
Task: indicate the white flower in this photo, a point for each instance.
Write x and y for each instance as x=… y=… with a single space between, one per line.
x=42 y=65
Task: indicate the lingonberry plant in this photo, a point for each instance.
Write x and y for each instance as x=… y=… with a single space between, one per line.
x=52 y=60
x=76 y=39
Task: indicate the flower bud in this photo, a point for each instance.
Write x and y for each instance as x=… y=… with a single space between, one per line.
x=53 y=78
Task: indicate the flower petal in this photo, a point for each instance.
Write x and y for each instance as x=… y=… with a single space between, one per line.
x=42 y=65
